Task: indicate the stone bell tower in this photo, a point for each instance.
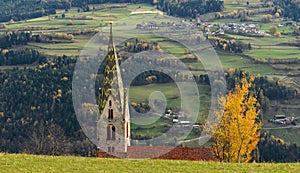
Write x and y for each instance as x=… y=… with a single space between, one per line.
x=113 y=125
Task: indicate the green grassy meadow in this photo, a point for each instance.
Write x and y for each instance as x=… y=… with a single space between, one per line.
x=234 y=61
x=32 y=163
x=156 y=126
x=231 y=5
x=142 y=93
x=277 y=53
x=172 y=94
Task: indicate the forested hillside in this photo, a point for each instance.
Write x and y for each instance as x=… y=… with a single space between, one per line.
x=36 y=113
x=272 y=149
x=291 y=8
x=16 y=10
x=21 y=10
x=190 y=8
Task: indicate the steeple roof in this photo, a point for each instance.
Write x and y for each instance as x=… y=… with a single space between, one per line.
x=112 y=81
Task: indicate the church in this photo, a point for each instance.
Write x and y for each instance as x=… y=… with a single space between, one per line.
x=113 y=128
x=113 y=125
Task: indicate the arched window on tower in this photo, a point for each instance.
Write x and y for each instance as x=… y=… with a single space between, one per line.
x=111 y=132
x=109 y=103
x=108 y=131
x=110 y=114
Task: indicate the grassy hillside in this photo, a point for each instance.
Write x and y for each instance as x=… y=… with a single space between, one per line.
x=30 y=163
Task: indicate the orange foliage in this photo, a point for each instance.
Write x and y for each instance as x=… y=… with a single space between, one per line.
x=4 y=51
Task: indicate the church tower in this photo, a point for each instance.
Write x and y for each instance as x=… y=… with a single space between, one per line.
x=113 y=125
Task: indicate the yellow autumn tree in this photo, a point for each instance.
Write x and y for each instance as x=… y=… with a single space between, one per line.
x=267 y=18
x=238 y=133
x=298 y=29
x=224 y=46
x=273 y=29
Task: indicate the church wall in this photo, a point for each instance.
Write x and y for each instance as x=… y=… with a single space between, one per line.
x=118 y=122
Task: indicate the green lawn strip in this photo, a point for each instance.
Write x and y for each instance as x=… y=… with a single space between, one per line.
x=31 y=163
x=275 y=53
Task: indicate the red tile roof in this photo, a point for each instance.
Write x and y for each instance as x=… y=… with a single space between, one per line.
x=162 y=152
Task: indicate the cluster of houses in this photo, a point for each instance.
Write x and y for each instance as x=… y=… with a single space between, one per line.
x=152 y=25
x=289 y=23
x=216 y=29
x=282 y=119
x=178 y=119
x=148 y=26
x=243 y=28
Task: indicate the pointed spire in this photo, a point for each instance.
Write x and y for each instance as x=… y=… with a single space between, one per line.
x=110 y=43
x=112 y=82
